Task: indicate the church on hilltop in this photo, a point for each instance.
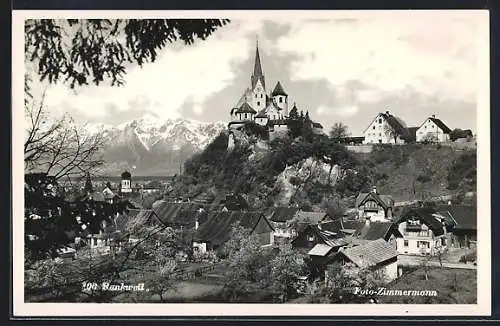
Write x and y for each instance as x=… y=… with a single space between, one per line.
x=265 y=108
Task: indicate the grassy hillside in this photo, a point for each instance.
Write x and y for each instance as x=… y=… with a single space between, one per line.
x=312 y=172
x=417 y=172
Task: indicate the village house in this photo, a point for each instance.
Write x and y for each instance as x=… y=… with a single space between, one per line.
x=386 y=230
x=433 y=130
x=377 y=255
x=216 y=231
x=462 y=224
x=423 y=231
x=386 y=128
x=288 y=221
x=374 y=206
x=464 y=234
x=281 y=218
x=322 y=233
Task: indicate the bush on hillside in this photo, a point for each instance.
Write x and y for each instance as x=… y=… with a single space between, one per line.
x=463 y=171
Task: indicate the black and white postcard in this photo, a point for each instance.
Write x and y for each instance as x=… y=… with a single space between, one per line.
x=300 y=163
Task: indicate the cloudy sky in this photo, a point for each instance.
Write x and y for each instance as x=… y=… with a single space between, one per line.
x=345 y=68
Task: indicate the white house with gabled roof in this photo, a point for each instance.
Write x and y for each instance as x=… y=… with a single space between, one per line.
x=433 y=130
x=385 y=129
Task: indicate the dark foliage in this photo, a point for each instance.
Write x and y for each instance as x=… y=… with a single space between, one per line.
x=51 y=221
x=463 y=171
x=459 y=133
x=83 y=51
x=252 y=128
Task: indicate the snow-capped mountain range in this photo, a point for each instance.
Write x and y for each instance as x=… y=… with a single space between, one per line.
x=151 y=146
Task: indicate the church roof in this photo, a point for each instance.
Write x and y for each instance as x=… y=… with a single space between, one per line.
x=245 y=108
x=257 y=70
x=278 y=90
x=441 y=125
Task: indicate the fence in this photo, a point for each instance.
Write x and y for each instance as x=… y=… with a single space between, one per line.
x=193 y=273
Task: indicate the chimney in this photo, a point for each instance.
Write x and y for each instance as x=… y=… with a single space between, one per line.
x=433 y=115
x=387 y=112
x=374 y=189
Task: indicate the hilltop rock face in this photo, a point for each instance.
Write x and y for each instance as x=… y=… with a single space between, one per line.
x=295 y=176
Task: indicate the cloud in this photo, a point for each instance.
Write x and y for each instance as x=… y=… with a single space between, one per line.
x=344 y=111
x=433 y=53
x=181 y=72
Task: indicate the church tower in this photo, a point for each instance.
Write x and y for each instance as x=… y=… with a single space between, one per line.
x=258 y=83
x=280 y=97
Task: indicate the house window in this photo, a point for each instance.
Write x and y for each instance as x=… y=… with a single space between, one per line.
x=373 y=128
x=310 y=238
x=281 y=100
x=258 y=103
x=261 y=95
x=380 y=134
x=245 y=115
x=405 y=243
x=379 y=120
x=443 y=241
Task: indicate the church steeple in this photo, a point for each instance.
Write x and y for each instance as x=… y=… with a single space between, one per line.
x=257 y=69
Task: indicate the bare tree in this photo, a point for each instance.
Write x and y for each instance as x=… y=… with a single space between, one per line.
x=59 y=147
x=392 y=132
x=339 y=131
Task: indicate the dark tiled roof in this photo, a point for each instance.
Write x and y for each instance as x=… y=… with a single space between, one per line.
x=342 y=227
x=396 y=124
x=311 y=217
x=278 y=90
x=384 y=200
x=426 y=215
x=217 y=229
x=169 y=213
x=374 y=231
x=441 y=125
x=245 y=108
x=369 y=254
x=277 y=122
x=317 y=125
x=283 y=214
x=188 y=218
x=463 y=216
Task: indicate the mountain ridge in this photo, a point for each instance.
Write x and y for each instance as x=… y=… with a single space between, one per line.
x=152 y=146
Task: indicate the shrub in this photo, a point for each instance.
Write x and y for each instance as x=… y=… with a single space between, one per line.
x=463 y=170
x=471 y=257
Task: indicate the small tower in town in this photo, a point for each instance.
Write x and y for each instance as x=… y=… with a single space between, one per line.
x=88 y=188
x=126 y=183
